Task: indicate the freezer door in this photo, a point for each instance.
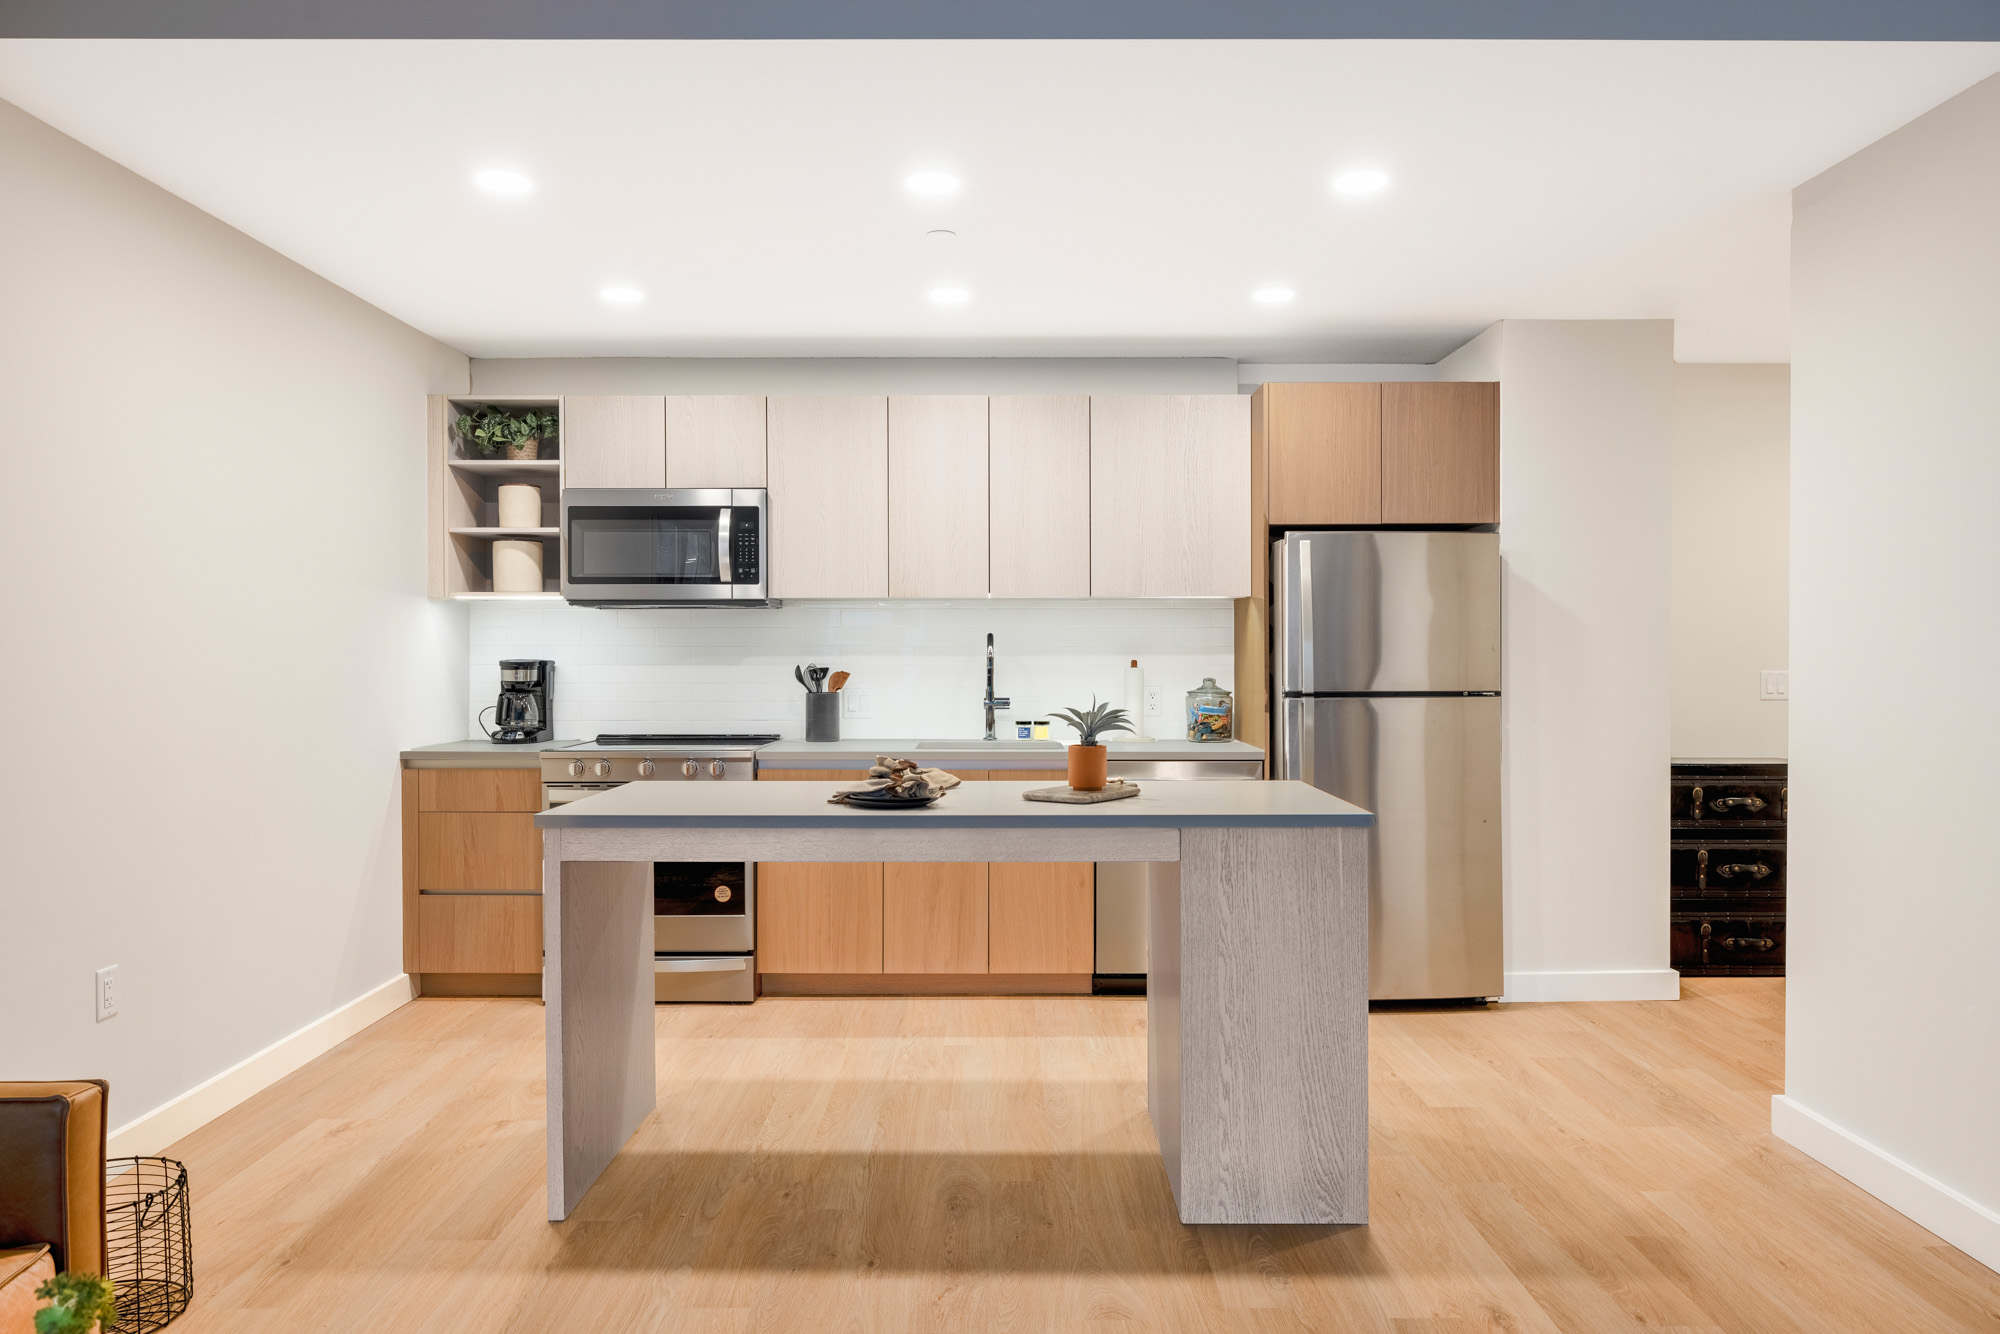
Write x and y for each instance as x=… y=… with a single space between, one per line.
x=1359 y=611
x=1430 y=770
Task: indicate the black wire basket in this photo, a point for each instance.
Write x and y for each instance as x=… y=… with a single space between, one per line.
x=146 y=1242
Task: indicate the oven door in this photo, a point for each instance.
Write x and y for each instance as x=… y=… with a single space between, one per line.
x=662 y=548
x=704 y=907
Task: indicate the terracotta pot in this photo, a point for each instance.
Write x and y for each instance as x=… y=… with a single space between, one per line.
x=523 y=449
x=1086 y=767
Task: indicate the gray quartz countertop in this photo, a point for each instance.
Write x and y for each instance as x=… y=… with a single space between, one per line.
x=1186 y=804
x=480 y=754
x=947 y=753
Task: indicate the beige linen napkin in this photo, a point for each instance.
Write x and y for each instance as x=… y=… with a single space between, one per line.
x=904 y=777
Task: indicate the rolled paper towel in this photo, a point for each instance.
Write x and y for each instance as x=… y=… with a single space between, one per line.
x=520 y=505
x=1135 y=701
x=517 y=566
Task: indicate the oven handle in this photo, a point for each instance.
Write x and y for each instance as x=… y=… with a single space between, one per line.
x=724 y=571
x=723 y=965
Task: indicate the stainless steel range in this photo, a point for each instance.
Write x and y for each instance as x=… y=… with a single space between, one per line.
x=704 y=913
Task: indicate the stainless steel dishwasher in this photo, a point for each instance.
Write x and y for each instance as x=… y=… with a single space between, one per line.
x=1121 y=886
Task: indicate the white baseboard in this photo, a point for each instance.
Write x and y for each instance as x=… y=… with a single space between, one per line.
x=211 y=1098
x=1603 y=984
x=1926 y=1201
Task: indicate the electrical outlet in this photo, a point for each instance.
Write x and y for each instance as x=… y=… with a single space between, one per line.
x=857 y=702
x=107 y=992
x=1154 y=701
x=1775 y=686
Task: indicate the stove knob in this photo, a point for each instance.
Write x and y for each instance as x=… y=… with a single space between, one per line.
x=715 y=768
x=689 y=769
x=645 y=768
x=602 y=768
x=576 y=768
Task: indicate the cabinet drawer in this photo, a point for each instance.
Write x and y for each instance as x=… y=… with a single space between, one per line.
x=1747 y=941
x=1734 y=868
x=478 y=789
x=1751 y=802
x=479 y=933
x=1043 y=917
x=459 y=850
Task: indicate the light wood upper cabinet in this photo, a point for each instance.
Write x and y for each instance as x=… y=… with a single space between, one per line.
x=1325 y=451
x=1440 y=453
x=937 y=496
x=934 y=917
x=715 y=440
x=1169 y=493
x=829 y=483
x=614 y=440
x=1039 y=474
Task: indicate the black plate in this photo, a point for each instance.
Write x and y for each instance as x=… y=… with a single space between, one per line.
x=889 y=801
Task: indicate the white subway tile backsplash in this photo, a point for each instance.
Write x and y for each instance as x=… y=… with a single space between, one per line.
x=924 y=662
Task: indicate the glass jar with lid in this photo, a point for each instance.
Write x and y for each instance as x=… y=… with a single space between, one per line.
x=1211 y=713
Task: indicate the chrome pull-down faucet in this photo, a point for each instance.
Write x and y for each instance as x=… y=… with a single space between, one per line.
x=992 y=702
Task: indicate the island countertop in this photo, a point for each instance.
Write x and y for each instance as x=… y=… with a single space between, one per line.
x=1182 y=804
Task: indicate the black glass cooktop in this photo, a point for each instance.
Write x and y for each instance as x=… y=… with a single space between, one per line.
x=685 y=738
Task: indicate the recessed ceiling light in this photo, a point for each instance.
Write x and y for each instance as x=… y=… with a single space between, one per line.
x=1360 y=181
x=1273 y=296
x=503 y=181
x=947 y=295
x=621 y=296
x=932 y=183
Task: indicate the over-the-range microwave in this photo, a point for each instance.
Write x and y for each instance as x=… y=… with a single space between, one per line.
x=626 y=547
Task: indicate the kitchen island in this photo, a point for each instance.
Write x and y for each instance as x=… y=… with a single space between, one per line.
x=1257 y=998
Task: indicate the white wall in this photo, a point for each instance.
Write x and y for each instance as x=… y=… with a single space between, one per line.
x=1586 y=413
x=217 y=631
x=921 y=666
x=1892 y=1033
x=1730 y=609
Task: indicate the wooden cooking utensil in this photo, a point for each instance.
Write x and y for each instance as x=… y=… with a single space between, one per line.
x=837 y=680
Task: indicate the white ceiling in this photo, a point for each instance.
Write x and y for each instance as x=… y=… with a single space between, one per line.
x=1121 y=198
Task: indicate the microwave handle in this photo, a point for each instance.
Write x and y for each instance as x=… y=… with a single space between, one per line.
x=723 y=570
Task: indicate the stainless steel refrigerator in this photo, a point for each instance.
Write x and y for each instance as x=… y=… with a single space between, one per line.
x=1387 y=665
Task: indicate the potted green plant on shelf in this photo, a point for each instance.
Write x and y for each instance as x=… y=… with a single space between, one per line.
x=77 y=1304
x=518 y=432
x=1088 y=758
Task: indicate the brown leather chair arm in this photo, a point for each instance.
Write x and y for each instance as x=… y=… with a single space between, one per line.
x=52 y=1169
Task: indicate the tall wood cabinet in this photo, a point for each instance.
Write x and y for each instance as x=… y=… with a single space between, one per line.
x=1169 y=488
x=472 y=881
x=924 y=927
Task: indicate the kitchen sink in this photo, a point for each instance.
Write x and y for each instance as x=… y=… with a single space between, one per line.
x=989 y=745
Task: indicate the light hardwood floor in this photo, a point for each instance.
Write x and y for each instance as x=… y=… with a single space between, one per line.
x=958 y=1163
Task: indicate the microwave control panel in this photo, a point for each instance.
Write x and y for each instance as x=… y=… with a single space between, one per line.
x=743 y=547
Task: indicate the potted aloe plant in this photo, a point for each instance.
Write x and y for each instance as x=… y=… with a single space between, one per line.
x=516 y=432
x=1087 y=758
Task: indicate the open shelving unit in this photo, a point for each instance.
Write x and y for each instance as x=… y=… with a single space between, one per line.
x=464 y=489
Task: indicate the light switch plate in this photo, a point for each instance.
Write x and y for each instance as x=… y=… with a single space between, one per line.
x=107 y=992
x=1775 y=685
x=857 y=702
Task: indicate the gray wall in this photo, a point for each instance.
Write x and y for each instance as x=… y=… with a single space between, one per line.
x=854 y=375
x=217 y=632
x=1892 y=1032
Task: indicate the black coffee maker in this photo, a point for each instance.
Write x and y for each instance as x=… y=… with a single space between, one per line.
x=521 y=715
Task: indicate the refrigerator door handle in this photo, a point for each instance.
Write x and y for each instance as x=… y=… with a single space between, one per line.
x=1305 y=555
x=1297 y=756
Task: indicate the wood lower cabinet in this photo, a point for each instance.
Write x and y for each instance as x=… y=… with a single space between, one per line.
x=924 y=927
x=472 y=872
x=1041 y=916
x=934 y=917
x=819 y=917
x=479 y=933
